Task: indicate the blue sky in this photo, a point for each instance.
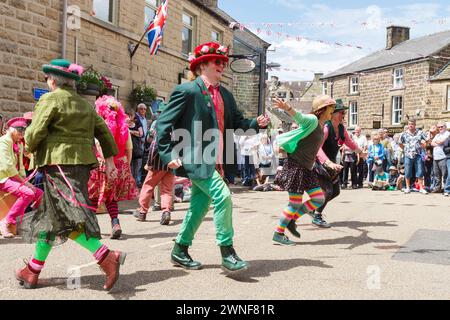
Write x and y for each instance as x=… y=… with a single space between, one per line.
x=357 y=23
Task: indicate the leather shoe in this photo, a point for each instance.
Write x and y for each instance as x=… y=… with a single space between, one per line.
x=231 y=261
x=27 y=278
x=111 y=265
x=180 y=257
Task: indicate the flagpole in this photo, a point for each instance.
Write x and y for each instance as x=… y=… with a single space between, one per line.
x=138 y=44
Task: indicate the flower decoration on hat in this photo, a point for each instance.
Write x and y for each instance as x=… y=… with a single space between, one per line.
x=64 y=68
x=208 y=51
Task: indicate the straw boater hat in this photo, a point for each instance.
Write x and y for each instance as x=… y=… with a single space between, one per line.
x=208 y=51
x=63 y=68
x=321 y=102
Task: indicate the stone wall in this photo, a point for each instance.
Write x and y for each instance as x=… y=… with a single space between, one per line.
x=376 y=92
x=31 y=35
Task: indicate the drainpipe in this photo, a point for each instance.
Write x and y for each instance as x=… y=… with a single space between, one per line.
x=262 y=81
x=64 y=30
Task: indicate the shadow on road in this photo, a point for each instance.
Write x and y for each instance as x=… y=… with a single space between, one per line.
x=17 y=240
x=149 y=236
x=264 y=268
x=355 y=241
x=125 y=288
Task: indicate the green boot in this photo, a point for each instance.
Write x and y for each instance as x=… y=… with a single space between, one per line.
x=318 y=221
x=180 y=257
x=230 y=260
x=281 y=238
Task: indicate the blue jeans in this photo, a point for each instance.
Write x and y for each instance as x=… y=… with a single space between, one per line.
x=447 y=184
x=249 y=170
x=417 y=162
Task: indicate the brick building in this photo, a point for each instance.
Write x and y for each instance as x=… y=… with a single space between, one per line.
x=32 y=33
x=390 y=85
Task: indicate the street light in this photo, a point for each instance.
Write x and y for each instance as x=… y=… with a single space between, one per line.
x=272 y=65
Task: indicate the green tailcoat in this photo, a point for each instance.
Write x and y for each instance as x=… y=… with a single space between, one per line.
x=188 y=106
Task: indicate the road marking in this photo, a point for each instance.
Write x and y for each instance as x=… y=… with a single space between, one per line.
x=161 y=244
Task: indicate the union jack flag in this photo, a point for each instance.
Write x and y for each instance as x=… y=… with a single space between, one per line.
x=155 y=29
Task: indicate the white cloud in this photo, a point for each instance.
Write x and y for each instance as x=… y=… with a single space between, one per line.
x=348 y=29
x=312 y=56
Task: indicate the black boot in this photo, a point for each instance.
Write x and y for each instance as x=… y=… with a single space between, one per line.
x=181 y=257
x=292 y=227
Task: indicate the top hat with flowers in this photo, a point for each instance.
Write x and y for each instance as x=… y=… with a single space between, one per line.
x=208 y=51
x=63 y=68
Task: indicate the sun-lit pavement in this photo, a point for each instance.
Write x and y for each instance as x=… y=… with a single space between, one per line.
x=384 y=245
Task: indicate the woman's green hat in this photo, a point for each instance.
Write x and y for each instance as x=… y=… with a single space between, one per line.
x=340 y=106
x=63 y=68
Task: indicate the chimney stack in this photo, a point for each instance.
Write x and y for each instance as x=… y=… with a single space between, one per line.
x=396 y=35
x=317 y=77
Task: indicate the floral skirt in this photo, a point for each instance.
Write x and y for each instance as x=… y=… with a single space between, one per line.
x=59 y=214
x=296 y=179
x=122 y=188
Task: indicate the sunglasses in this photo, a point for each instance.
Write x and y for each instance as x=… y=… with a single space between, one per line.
x=219 y=62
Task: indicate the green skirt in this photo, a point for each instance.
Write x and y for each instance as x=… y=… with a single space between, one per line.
x=57 y=216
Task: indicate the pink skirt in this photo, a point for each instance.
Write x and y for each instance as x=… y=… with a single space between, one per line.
x=122 y=188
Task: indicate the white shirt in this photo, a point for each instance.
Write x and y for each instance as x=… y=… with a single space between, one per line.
x=361 y=141
x=438 y=152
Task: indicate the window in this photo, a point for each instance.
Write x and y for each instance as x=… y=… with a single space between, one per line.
x=448 y=98
x=105 y=10
x=187 y=34
x=398 y=78
x=216 y=36
x=324 y=88
x=151 y=6
x=354 y=85
x=397 y=110
x=353 y=115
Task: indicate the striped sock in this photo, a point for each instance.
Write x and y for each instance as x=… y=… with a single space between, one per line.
x=101 y=254
x=317 y=200
x=36 y=266
x=286 y=217
x=113 y=209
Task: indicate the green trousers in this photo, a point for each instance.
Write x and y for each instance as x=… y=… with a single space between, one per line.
x=203 y=193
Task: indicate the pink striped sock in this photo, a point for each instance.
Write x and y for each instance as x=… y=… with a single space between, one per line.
x=101 y=253
x=36 y=266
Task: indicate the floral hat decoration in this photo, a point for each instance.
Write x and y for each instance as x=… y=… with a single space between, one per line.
x=64 y=68
x=208 y=51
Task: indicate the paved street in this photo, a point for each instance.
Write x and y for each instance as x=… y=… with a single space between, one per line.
x=383 y=245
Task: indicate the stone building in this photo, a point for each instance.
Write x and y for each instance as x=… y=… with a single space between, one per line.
x=100 y=34
x=300 y=95
x=393 y=84
x=248 y=88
